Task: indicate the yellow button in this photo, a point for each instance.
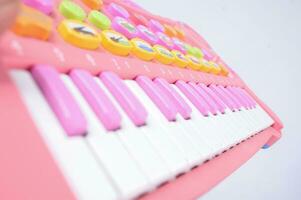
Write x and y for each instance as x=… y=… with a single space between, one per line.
x=142 y=49
x=93 y=4
x=79 y=34
x=163 y=55
x=180 y=59
x=194 y=63
x=116 y=43
x=215 y=69
x=32 y=23
x=206 y=67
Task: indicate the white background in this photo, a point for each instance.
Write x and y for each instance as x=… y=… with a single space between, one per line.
x=261 y=41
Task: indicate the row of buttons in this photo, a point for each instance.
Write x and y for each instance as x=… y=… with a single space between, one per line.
x=144 y=43
x=85 y=36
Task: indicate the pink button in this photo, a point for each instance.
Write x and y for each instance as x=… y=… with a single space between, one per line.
x=158 y=97
x=193 y=96
x=60 y=100
x=219 y=103
x=97 y=99
x=155 y=26
x=117 y=11
x=164 y=40
x=223 y=97
x=180 y=105
x=147 y=35
x=207 y=55
x=130 y=104
x=179 y=45
x=45 y=6
x=124 y=27
x=211 y=106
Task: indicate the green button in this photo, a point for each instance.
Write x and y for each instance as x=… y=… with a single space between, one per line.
x=198 y=52
x=189 y=49
x=99 y=20
x=71 y=10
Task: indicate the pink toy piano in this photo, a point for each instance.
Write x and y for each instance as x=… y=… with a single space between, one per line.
x=104 y=100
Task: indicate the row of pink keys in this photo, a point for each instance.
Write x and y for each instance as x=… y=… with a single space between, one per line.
x=207 y=99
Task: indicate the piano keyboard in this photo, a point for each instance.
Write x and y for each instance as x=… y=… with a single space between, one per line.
x=156 y=132
x=130 y=105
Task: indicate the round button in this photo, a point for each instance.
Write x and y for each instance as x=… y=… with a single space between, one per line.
x=124 y=27
x=170 y=31
x=99 y=20
x=116 y=43
x=180 y=59
x=71 y=10
x=147 y=35
x=215 y=69
x=79 y=34
x=117 y=11
x=163 y=55
x=93 y=4
x=194 y=63
x=205 y=67
x=179 y=45
x=155 y=26
x=164 y=40
x=142 y=49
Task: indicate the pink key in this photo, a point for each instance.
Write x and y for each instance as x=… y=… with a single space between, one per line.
x=97 y=99
x=232 y=98
x=180 y=104
x=248 y=97
x=158 y=97
x=124 y=27
x=219 y=103
x=60 y=100
x=147 y=35
x=239 y=97
x=45 y=6
x=130 y=104
x=155 y=26
x=223 y=97
x=210 y=105
x=193 y=96
x=207 y=55
x=117 y=11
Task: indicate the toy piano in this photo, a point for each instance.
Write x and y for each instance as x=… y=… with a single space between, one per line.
x=104 y=100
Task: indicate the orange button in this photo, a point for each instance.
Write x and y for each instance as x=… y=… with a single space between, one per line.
x=93 y=4
x=32 y=23
x=180 y=33
x=170 y=31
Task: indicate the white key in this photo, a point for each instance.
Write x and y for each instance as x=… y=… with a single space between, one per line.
x=173 y=129
x=137 y=144
x=72 y=154
x=207 y=131
x=118 y=164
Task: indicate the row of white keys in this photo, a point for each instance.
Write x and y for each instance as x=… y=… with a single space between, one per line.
x=175 y=131
x=72 y=154
x=210 y=132
x=139 y=147
x=119 y=166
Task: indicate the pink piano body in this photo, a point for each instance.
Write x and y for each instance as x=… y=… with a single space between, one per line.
x=28 y=170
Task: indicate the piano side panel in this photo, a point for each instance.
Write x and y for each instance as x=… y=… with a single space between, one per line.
x=27 y=168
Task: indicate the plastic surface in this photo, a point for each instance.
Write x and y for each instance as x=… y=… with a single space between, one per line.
x=29 y=151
